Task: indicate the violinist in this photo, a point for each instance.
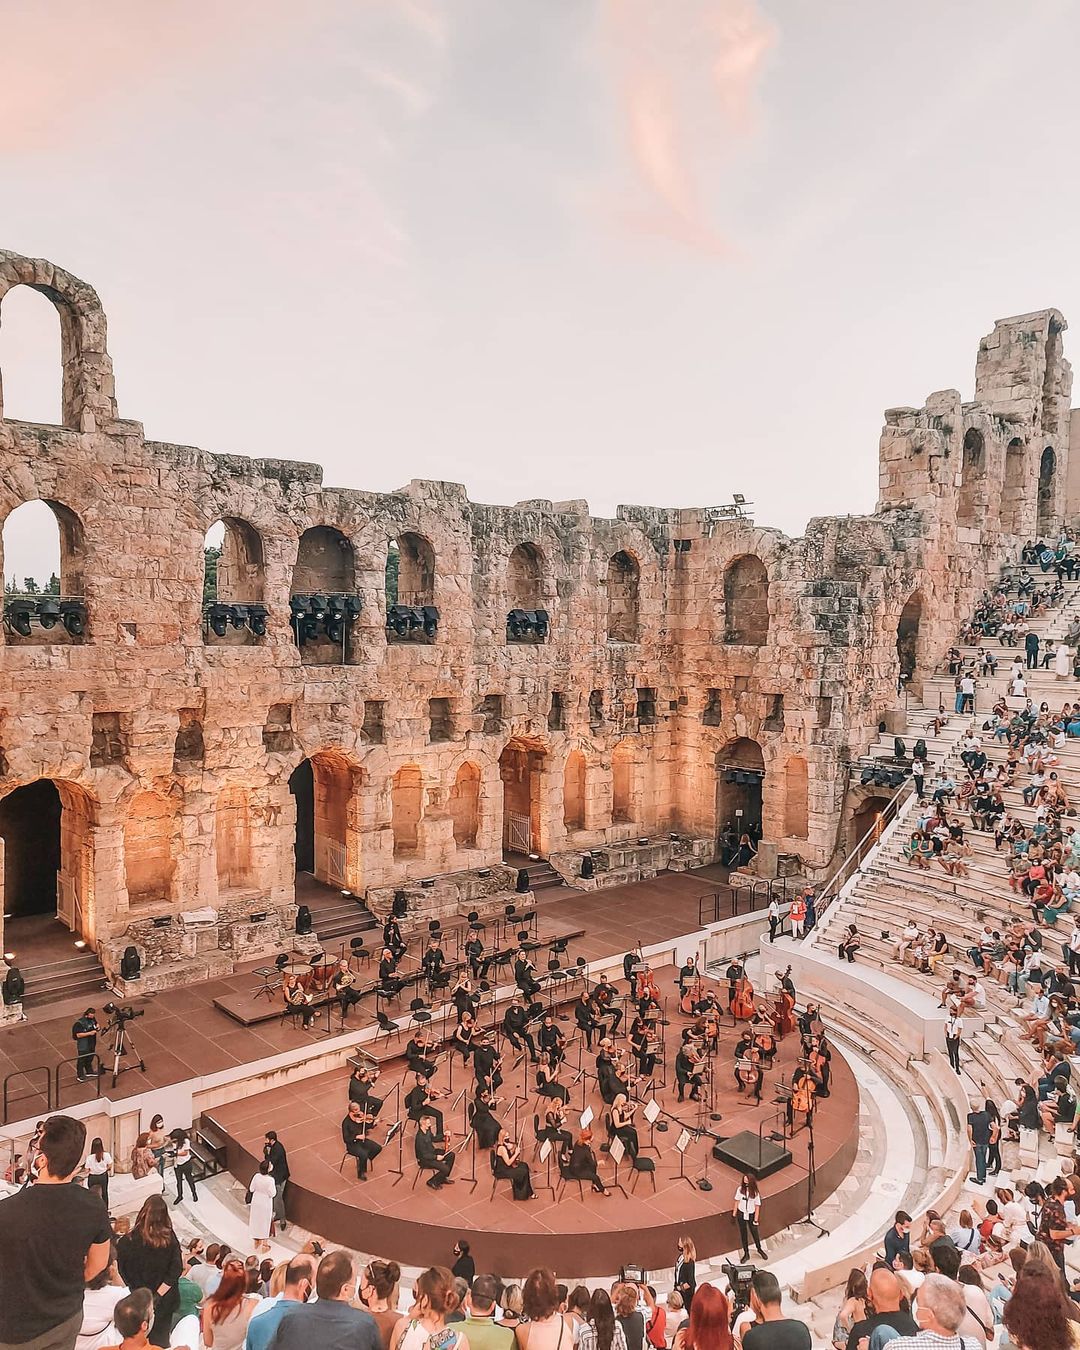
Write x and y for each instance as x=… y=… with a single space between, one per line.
x=688 y=1071
x=487 y=1063
x=392 y=939
x=433 y=961
x=639 y=1043
x=418 y=1104
x=608 y=1078
x=547 y=1082
x=524 y=976
x=462 y=1039
x=482 y=1119
x=344 y=986
x=297 y=999
x=622 y=1124
x=580 y=1165
x=354 y=1135
x=360 y=1085
x=509 y=1165
x=585 y=1017
x=554 y=1129
x=605 y=996
x=516 y=1027
x=552 y=1040
x=417 y=1053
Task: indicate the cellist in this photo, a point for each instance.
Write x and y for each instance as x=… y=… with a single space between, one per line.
x=803 y=1091
x=692 y=995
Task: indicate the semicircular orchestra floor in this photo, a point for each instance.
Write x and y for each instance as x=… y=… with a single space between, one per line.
x=399 y=1217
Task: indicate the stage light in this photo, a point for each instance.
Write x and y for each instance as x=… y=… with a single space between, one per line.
x=257 y=615
x=73 y=617
x=303 y=920
x=430 y=621
x=427 y=882
x=738 y=499
x=162 y=921
x=14 y=985
x=80 y=943
x=130 y=964
x=317 y=603
x=525 y=623
x=238 y=616
x=257 y=918
x=48 y=613
x=9 y=956
x=867 y=775
x=217 y=616
x=588 y=867
x=17 y=614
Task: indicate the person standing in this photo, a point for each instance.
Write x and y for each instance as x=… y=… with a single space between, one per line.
x=99 y=1165
x=1031 y=651
x=774 y=918
x=149 y=1258
x=54 y=1237
x=979 y=1129
x=746 y=1211
x=329 y=1323
x=275 y=1155
x=84 y=1033
x=772 y=1331
x=685 y=1270
x=464 y=1267
x=183 y=1165
x=954 y=1028
x=797 y=915
x=966 y=694
x=918 y=777
x=261 y=1206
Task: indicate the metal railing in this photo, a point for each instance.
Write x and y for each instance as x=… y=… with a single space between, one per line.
x=35 y=1094
x=830 y=891
x=742 y=895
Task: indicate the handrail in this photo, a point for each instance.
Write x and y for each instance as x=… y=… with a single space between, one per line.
x=758 y=890
x=830 y=891
x=5 y=1092
x=97 y=1070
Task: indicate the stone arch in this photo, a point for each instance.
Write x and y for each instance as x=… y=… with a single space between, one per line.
x=908 y=639
x=326 y=846
x=521 y=768
x=971 y=503
x=87 y=400
x=151 y=847
x=323 y=586
x=30 y=359
x=525 y=577
x=746 y=601
x=1047 y=492
x=232 y=839
x=71 y=541
x=325 y=562
x=407 y=810
x=740 y=776
x=623 y=760
x=410 y=570
x=236 y=574
x=623 y=586
x=1013 y=484
x=464 y=805
x=47 y=828
x=574 y=787
x=866 y=817
x=796 y=798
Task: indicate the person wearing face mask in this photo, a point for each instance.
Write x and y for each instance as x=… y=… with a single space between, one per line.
x=379 y=1294
x=299 y=1281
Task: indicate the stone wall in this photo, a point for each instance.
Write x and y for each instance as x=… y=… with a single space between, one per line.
x=677 y=641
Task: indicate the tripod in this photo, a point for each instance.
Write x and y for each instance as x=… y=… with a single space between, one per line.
x=122 y=1043
x=810 y=1178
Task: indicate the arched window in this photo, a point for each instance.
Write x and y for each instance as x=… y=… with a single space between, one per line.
x=410 y=571
x=31 y=365
x=622 y=598
x=796 y=798
x=465 y=805
x=746 y=602
x=622 y=783
x=44 y=555
x=1012 y=488
x=907 y=636
x=151 y=836
x=574 y=791
x=740 y=777
x=324 y=562
x=406 y=809
x=232 y=839
x=1047 y=491
x=972 y=501
x=233 y=608
x=524 y=578
x=323 y=599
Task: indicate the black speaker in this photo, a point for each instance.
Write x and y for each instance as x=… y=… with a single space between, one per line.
x=130 y=964
x=747 y=1153
x=14 y=985
x=303 y=920
x=522 y=887
x=588 y=867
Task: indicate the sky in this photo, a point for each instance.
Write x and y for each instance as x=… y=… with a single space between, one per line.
x=624 y=250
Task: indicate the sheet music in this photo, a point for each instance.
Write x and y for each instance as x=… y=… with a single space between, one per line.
x=617 y=1150
x=651 y=1110
x=586 y=1118
x=683 y=1141
x=545 y=1150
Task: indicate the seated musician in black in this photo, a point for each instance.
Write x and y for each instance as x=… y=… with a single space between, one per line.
x=418 y=1105
x=486 y=1065
x=585 y=1017
x=354 y=1136
x=580 y=1164
x=389 y=981
x=416 y=1055
x=508 y=1164
x=433 y=961
x=483 y=1120
x=344 y=986
x=516 y=1027
x=551 y=1039
x=360 y=1091
x=751 y=1075
x=524 y=977
x=431 y=1153
x=547 y=1082
x=639 y=1043
x=554 y=1129
x=687 y=974
x=392 y=939
x=463 y=996
x=688 y=1072
x=297 y=999
x=604 y=994
x=622 y=1124
x=742 y=1049
x=607 y=1076
x=462 y=1039
x=648 y=1007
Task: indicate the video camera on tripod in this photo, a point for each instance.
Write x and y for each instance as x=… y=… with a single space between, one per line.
x=121 y=1013
x=739 y=1278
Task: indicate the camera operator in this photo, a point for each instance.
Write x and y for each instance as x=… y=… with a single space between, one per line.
x=84 y=1033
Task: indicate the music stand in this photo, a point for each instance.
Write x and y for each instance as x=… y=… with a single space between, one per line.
x=681 y=1145
x=546 y=1150
x=616 y=1152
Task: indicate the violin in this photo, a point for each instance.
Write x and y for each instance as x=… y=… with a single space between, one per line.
x=743 y=1007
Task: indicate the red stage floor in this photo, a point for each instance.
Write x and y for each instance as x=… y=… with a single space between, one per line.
x=593 y=1236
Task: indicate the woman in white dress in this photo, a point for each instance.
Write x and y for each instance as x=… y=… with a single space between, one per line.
x=261 y=1209
x=1062 y=662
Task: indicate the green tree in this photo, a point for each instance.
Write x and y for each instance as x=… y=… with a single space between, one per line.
x=30 y=586
x=393 y=563
x=53 y=588
x=211 y=556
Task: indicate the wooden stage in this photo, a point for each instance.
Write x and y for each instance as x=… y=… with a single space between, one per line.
x=577 y=1234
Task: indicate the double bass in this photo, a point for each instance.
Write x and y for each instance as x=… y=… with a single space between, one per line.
x=743 y=1007
x=692 y=994
x=782 y=1018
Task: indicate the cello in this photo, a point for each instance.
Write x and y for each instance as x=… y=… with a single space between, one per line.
x=743 y=1007
x=803 y=1092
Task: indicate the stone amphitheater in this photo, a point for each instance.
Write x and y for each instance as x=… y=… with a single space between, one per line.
x=414 y=700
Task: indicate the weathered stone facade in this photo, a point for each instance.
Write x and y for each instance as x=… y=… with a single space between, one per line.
x=679 y=640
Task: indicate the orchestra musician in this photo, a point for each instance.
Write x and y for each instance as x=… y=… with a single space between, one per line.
x=692 y=994
x=733 y=975
x=605 y=997
x=585 y=1017
x=622 y=1124
x=609 y=1072
x=387 y=965
x=639 y=1043
x=783 y=1010
x=479 y=964
x=418 y=1103
x=433 y=961
x=807 y=1019
x=516 y=1027
x=417 y=1051
x=524 y=977
x=297 y=999
x=463 y=997
x=482 y=1118
x=689 y=1071
x=765 y=1044
x=687 y=974
x=487 y=1062
x=742 y=1049
x=554 y=1129
x=432 y=1154
x=803 y=1091
x=580 y=1164
x=547 y=1081
x=508 y=1164
x=354 y=1135
x=742 y=1005
x=360 y=1085
x=749 y=1072
x=462 y=1039
x=821 y=1065
x=646 y=986
x=707 y=1026
x=788 y=985
x=552 y=1040
x=343 y=983
x=392 y=939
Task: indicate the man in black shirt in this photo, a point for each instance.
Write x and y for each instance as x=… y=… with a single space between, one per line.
x=354 y=1135
x=430 y=1155
x=978 y=1128
x=515 y=1025
x=85 y=1033
x=585 y=1017
x=54 y=1237
x=773 y=1331
x=898 y=1238
x=883 y=1307
x=274 y=1153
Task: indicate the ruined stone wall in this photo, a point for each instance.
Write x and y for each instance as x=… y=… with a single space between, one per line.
x=675 y=635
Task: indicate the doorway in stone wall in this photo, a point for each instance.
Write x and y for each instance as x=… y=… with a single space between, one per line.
x=520 y=767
